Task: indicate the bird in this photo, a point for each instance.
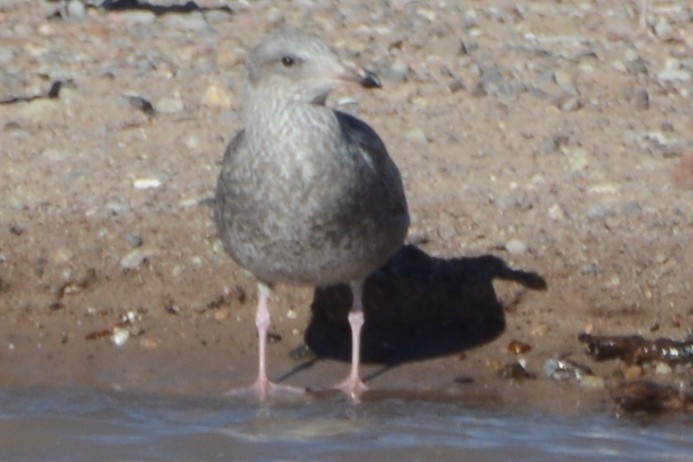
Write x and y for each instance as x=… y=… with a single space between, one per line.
x=307 y=195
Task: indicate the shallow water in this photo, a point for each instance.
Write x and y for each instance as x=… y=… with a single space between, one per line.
x=87 y=425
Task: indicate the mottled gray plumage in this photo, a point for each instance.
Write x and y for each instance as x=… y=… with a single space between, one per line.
x=307 y=195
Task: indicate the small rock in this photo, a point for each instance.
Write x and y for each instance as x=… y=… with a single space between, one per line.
x=222 y=314
x=216 y=97
x=540 y=330
x=140 y=103
x=17 y=230
x=40 y=111
x=577 y=160
x=136 y=16
x=673 y=71
x=637 y=66
x=416 y=135
x=568 y=103
x=633 y=372
x=396 y=72
x=134 y=239
x=492 y=82
x=132 y=260
x=664 y=31
x=76 y=9
x=565 y=369
x=120 y=335
x=593 y=382
x=192 y=143
x=193 y=21
x=639 y=97
x=556 y=212
x=518 y=348
x=669 y=75
x=146 y=183
x=515 y=371
x=599 y=211
x=7 y=55
x=54 y=154
x=565 y=81
x=515 y=247
x=170 y=105
x=663 y=369
x=457 y=85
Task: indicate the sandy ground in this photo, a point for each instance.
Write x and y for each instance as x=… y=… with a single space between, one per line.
x=545 y=136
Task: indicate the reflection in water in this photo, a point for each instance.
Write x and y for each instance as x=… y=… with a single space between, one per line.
x=87 y=425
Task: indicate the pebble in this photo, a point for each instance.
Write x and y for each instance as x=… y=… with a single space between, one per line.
x=7 y=55
x=637 y=66
x=492 y=82
x=633 y=372
x=416 y=135
x=133 y=259
x=192 y=142
x=515 y=247
x=216 y=97
x=396 y=72
x=565 y=369
x=565 y=81
x=54 y=154
x=146 y=183
x=664 y=31
x=134 y=239
x=599 y=211
x=136 y=16
x=671 y=75
x=639 y=97
x=673 y=71
x=40 y=111
x=540 y=330
x=593 y=382
x=170 y=105
x=194 y=21
x=76 y=9
x=120 y=335
x=568 y=103
x=577 y=160
x=515 y=371
x=556 y=212
x=663 y=369
x=517 y=347
x=222 y=314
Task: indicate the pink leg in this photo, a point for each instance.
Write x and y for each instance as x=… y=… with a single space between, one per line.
x=263 y=387
x=262 y=322
x=353 y=386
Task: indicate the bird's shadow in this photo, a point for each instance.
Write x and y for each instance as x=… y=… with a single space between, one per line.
x=416 y=307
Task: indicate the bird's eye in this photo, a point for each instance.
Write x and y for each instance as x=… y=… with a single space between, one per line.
x=288 y=61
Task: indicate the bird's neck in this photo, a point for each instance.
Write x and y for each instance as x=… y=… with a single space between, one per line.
x=269 y=116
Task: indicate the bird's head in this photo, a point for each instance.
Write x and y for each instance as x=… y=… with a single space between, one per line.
x=301 y=67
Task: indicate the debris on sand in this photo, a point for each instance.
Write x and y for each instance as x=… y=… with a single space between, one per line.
x=651 y=397
x=634 y=349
